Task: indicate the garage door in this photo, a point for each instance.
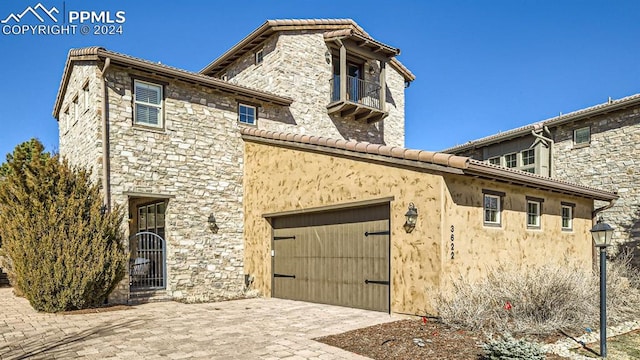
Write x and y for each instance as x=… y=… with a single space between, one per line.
x=338 y=257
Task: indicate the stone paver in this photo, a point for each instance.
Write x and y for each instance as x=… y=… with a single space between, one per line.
x=241 y=329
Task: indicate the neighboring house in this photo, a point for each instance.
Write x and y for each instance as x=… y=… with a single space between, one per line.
x=325 y=221
x=165 y=143
x=598 y=146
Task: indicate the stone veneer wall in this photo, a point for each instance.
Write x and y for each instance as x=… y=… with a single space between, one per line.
x=196 y=161
x=610 y=162
x=80 y=141
x=294 y=65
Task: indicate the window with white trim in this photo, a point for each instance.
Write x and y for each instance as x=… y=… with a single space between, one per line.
x=582 y=136
x=492 y=209
x=259 y=56
x=247 y=114
x=567 y=217
x=528 y=160
x=511 y=160
x=494 y=160
x=533 y=214
x=148 y=104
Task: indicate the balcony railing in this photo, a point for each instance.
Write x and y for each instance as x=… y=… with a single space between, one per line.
x=358 y=91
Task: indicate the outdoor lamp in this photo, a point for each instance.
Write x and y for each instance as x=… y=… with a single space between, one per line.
x=412 y=218
x=602 y=234
x=213 y=226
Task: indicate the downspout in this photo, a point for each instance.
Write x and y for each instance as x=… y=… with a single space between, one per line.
x=105 y=138
x=550 y=142
x=595 y=212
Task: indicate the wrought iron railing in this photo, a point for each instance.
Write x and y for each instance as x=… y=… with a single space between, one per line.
x=358 y=91
x=147 y=269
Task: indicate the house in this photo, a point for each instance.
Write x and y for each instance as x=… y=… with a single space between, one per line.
x=298 y=126
x=596 y=146
x=325 y=221
x=165 y=142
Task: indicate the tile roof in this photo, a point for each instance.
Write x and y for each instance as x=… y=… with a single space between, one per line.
x=419 y=158
x=611 y=105
x=272 y=26
x=96 y=52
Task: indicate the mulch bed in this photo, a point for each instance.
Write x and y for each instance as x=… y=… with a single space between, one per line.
x=401 y=340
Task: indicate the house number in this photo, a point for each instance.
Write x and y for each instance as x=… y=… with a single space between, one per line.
x=452 y=244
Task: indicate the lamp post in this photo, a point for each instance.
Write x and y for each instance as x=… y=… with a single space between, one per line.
x=602 y=234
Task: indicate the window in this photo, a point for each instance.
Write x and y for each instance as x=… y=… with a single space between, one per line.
x=76 y=110
x=495 y=160
x=247 y=114
x=151 y=218
x=148 y=104
x=492 y=207
x=66 y=120
x=511 y=160
x=582 y=136
x=533 y=214
x=259 y=56
x=528 y=157
x=85 y=96
x=567 y=216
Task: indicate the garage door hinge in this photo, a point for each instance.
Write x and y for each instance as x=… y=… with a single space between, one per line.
x=381 y=282
x=284 y=276
x=377 y=233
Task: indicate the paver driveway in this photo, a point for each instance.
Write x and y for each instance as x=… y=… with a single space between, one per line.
x=242 y=329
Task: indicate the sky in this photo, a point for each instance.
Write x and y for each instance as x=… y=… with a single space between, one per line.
x=481 y=66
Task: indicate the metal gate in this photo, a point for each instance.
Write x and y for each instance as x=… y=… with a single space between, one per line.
x=147 y=268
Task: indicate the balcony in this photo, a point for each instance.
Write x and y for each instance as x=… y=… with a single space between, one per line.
x=361 y=100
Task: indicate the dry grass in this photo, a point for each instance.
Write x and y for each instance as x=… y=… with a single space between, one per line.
x=543 y=299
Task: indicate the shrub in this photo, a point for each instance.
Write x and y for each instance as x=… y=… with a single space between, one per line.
x=539 y=300
x=64 y=253
x=508 y=348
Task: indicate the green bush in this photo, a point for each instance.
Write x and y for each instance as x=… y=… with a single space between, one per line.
x=64 y=253
x=508 y=348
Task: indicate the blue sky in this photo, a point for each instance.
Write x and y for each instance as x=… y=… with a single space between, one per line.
x=481 y=66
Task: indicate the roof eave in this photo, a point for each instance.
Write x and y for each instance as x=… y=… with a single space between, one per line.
x=537 y=182
x=100 y=54
x=553 y=122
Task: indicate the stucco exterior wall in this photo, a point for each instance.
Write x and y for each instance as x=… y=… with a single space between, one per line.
x=478 y=247
x=281 y=179
x=611 y=163
x=294 y=65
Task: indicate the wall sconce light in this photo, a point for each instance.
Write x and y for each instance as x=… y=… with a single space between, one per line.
x=372 y=70
x=213 y=226
x=412 y=218
x=327 y=57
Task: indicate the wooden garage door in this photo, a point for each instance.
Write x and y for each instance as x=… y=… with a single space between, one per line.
x=337 y=257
